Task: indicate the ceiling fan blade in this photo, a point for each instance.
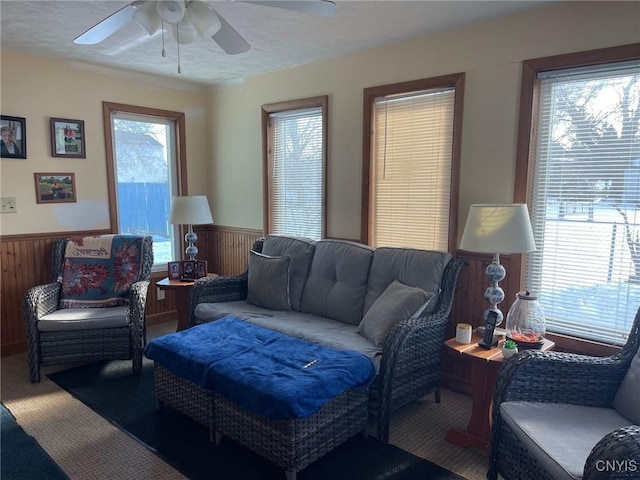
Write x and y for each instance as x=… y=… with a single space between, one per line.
x=324 y=8
x=229 y=39
x=108 y=26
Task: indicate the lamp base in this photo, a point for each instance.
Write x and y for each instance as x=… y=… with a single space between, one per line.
x=191 y=238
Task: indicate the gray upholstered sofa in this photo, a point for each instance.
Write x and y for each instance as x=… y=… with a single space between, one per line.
x=390 y=304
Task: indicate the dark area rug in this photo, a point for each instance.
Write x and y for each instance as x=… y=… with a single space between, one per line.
x=21 y=456
x=128 y=401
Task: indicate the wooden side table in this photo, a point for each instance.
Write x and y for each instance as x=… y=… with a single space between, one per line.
x=484 y=373
x=181 y=292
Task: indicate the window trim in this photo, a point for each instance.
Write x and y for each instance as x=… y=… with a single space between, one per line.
x=456 y=81
x=181 y=169
x=267 y=190
x=527 y=119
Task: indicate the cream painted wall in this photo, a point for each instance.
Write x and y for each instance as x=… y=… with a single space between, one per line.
x=224 y=148
x=491 y=54
x=40 y=88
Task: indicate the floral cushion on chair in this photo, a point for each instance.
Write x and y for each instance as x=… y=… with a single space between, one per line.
x=99 y=271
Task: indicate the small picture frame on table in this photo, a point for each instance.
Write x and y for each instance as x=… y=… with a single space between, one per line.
x=201 y=268
x=188 y=271
x=175 y=270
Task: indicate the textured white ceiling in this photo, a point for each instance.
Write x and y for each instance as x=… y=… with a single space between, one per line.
x=279 y=38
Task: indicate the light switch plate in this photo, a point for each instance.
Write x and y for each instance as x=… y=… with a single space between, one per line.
x=8 y=205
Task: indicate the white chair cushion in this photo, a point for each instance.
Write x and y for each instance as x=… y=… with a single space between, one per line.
x=84 y=319
x=560 y=436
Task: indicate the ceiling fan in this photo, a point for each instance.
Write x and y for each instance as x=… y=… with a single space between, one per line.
x=189 y=19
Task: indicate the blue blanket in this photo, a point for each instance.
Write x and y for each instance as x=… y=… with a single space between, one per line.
x=263 y=371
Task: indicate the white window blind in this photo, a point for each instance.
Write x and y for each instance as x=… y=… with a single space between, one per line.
x=412 y=168
x=584 y=198
x=297 y=169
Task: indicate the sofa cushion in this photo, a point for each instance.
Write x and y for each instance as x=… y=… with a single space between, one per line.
x=398 y=302
x=324 y=331
x=626 y=399
x=301 y=252
x=337 y=282
x=268 y=281
x=557 y=435
x=413 y=267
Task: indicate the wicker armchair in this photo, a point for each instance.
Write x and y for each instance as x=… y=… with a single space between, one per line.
x=59 y=334
x=410 y=365
x=545 y=378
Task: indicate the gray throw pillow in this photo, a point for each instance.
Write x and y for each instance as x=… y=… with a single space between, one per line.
x=626 y=400
x=268 y=282
x=398 y=302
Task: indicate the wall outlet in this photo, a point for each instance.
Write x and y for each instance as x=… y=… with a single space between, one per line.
x=8 y=205
x=159 y=294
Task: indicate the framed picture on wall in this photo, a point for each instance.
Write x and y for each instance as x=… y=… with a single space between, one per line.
x=55 y=187
x=14 y=137
x=67 y=138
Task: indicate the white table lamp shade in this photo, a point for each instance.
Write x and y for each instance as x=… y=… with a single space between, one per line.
x=192 y=210
x=498 y=228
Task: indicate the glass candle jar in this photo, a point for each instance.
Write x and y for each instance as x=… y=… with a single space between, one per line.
x=525 y=321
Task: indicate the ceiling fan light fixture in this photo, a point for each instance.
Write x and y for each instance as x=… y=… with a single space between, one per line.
x=203 y=18
x=147 y=17
x=184 y=33
x=171 y=11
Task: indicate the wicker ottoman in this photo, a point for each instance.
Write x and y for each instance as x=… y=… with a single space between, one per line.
x=286 y=399
x=185 y=396
x=294 y=444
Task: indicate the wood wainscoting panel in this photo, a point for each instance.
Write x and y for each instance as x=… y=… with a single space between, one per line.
x=226 y=249
x=26 y=262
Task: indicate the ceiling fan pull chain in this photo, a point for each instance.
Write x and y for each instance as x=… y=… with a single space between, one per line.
x=178 y=43
x=164 y=53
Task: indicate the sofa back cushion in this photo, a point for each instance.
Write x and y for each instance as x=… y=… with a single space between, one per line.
x=626 y=401
x=300 y=250
x=413 y=267
x=337 y=282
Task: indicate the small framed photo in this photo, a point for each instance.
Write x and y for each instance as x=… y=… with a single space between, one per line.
x=201 y=268
x=55 y=187
x=14 y=137
x=188 y=271
x=175 y=270
x=67 y=138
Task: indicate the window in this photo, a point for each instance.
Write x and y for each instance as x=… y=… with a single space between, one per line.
x=583 y=165
x=145 y=170
x=411 y=158
x=295 y=135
